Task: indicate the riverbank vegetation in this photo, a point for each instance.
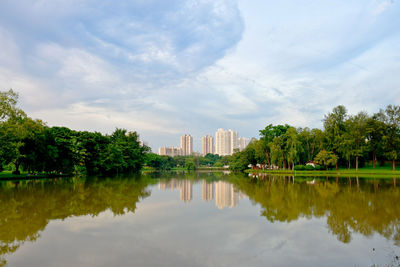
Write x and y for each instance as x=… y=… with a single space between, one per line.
x=346 y=141
x=31 y=146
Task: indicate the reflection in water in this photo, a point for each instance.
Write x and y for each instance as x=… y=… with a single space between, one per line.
x=207 y=191
x=225 y=196
x=27 y=207
x=185 y=188
x=225 y=193
x=347 y=205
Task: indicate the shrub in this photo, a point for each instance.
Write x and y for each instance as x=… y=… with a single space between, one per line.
x=319 y=167
x=299 y=167
x=309 y=168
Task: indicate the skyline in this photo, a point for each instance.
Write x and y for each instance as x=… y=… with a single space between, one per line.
x=196 y=66
x=224 y=143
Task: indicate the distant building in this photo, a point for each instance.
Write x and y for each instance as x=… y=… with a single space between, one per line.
x=234 y=141
x=170 y=151
x=207 y=145
x=226 y=142
x=222 y=142
x=242 y=143
x=187 y=145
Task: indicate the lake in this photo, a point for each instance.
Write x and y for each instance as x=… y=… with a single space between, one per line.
x=200 y=219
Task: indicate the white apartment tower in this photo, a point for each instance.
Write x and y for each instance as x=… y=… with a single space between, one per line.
x=234 y=141
x=242 y=143
x=222 y=142
x=207 y=145
x=187 y=144
x=170 y=151
x=226 y=142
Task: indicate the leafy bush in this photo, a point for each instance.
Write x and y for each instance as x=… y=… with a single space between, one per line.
x=299 y=167
x=309 y=168
x=319 y=167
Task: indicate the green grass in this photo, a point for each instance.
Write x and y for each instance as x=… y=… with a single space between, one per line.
x=7 y=175
x=367 y=172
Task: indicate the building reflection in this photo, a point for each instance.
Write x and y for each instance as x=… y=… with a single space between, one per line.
x=185 y=190
x=184 y=187
x=225 y=194
x=207 y=191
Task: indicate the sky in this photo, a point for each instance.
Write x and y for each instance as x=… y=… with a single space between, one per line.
x=168 y=68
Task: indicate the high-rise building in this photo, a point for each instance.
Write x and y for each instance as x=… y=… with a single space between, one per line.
x=207 y=145
x=170 y=151
x=226 y=142
x=222 y=142
x=242 y=143
x=234 y=141
x=186 y=145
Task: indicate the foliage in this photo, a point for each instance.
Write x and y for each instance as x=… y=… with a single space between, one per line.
x=326 y=158
x=299 y=167
x=35 y=147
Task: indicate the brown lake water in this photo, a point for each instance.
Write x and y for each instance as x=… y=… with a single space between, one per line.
x=200 y=219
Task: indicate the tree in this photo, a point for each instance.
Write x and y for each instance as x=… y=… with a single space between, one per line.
x=293 y=146
x=268 y=135
x=375 y=131
x=391 y=138
x=241 y=160
x=356 y=135
x=8 y=105
x=277 y=153
x=190 y=163
x=326 y=158
x=334 y=125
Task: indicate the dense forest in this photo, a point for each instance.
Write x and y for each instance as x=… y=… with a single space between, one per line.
x=32 y=146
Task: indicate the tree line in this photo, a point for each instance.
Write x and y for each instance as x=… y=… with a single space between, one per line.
x=30 y=145
x=345 y=140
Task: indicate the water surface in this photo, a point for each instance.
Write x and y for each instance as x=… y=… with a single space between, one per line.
x=200 y=219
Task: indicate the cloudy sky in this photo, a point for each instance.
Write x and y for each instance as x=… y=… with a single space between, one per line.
x=165 y=68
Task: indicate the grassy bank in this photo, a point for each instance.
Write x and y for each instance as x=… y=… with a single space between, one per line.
x=379 y=172
x=7 y=175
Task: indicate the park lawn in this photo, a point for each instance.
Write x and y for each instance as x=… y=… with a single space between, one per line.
x=379 y=172
x=7 y=175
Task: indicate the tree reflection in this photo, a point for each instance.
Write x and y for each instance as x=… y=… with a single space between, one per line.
x=351 y=205
x=27 y=207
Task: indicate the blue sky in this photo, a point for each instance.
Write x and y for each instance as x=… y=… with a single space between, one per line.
x=166 y=68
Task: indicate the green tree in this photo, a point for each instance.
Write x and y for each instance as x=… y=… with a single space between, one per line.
x=326 y=158
x=334 y=125
x=8 y=105
x=190 y=163
x=356 y=135
x=268 y=135
x=391 y=138
x=375 y=131
x=293 y=147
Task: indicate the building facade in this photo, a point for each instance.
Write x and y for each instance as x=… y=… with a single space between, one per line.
x=234 y=141
x=242 y=143
x=170 y=151
x=187 y=145
x=207 y=145
x=222 y=142
x=226 y=142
